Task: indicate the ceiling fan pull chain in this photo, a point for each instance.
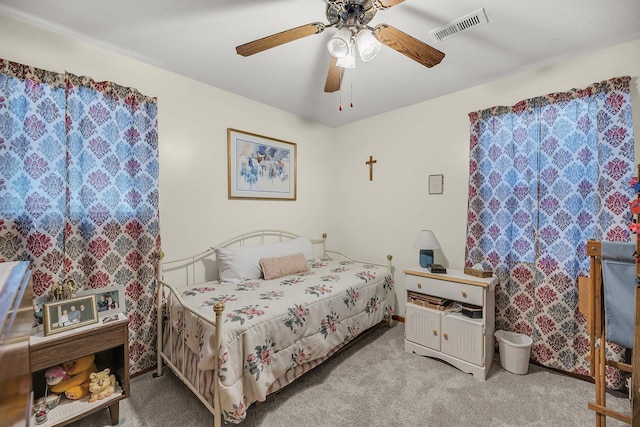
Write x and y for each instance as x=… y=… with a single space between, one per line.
x=340 y=106
x=351 y=87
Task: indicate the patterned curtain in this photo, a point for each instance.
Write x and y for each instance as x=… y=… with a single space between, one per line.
x=33 y=170
x=79 y=198
x=546 y=175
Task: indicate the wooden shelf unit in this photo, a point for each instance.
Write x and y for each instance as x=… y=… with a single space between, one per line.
x=108 y=341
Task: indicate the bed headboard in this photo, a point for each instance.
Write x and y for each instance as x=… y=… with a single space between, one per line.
x=202 y=266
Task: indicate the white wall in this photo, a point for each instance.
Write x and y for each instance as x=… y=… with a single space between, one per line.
x=367 y=219
x=433 y=138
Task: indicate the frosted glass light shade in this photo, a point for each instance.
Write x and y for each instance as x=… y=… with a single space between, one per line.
x=368 y=45
x=339 y=44
x=348 y=61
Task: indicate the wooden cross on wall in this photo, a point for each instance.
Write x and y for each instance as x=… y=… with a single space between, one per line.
x=370 y=163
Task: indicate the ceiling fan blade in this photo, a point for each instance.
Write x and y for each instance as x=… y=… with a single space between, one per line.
x=334 y=77
x=408 y=45
x=277 y=39
x=385 y=4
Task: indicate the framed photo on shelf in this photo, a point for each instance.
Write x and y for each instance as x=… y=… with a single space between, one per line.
x=109 y=300
x=260 y=167
x=69 y=313
x=38 y=314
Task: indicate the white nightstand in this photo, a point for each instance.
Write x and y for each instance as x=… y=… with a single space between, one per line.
x=464 y=342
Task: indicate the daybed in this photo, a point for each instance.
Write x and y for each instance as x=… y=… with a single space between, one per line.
x=282 y=304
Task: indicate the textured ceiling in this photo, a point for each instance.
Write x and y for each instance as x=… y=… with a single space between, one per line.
x=197 y=39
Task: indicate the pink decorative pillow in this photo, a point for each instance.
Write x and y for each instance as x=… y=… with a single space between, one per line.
x=274 y=268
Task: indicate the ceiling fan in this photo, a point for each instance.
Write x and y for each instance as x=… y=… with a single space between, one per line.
x=351 y=18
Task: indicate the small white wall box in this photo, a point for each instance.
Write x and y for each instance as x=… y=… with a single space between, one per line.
x=436 y=184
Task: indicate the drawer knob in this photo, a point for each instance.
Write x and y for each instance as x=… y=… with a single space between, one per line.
x=464 y=294
x=435 y=332
x=419 y=285
x=445 y=336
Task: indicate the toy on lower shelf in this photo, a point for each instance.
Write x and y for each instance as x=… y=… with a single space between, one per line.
x=72 y=377
x=102 y=385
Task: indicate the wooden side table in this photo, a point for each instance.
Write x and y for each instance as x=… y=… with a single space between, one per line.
x=108 y=341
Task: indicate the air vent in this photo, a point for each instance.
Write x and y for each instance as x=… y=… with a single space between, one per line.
x=460 y=25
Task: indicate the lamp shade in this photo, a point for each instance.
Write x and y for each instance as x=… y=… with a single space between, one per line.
x=426 y=240
x=339 y=44
x=348 y=61
x=368 y=45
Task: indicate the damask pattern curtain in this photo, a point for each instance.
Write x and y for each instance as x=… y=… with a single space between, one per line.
x=546 y=175
x=79 y=196
x=33 y=170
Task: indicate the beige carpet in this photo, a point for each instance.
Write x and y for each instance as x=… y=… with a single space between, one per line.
x=375 y=383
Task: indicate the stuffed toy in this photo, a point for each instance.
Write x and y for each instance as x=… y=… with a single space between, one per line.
x=55 y=374
x=77 y=386
x=102 y=385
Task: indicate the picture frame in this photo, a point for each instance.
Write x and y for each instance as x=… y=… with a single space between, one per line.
x=109 y=300
x=58 y=315
x=436 y=184
x=37 y=324
x=260 y=167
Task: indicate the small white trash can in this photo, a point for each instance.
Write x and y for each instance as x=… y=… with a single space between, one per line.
x=515 y=349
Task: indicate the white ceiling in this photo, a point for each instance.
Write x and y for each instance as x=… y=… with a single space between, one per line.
x=197 y=39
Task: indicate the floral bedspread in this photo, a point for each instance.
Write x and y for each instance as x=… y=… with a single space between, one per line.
x=273 y=326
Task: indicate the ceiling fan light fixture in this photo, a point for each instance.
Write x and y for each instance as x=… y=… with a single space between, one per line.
x=368 y=45
x=339 y=44
x=348 y=61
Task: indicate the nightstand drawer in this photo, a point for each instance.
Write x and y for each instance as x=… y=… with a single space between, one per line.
x=66 y=348
x=449 y=290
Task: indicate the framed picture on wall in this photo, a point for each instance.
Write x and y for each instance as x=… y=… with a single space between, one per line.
x=260 y=167
x=38 y=314
x=436 y=184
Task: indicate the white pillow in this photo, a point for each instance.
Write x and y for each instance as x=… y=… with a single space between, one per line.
x=239 y=263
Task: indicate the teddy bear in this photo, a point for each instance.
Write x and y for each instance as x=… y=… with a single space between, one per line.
x=102 y=385
x=77 y=385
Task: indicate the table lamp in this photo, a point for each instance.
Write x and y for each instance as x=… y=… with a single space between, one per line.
x=426 y=242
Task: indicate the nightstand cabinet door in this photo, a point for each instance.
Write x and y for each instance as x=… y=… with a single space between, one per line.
x=463 y=339
x=422 y=326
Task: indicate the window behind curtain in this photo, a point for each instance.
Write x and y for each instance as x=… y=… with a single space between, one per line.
x=546 y=175
x=32 y=170
x=79 y=190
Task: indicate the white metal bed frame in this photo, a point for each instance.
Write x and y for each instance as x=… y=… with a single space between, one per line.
x=188 y=264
